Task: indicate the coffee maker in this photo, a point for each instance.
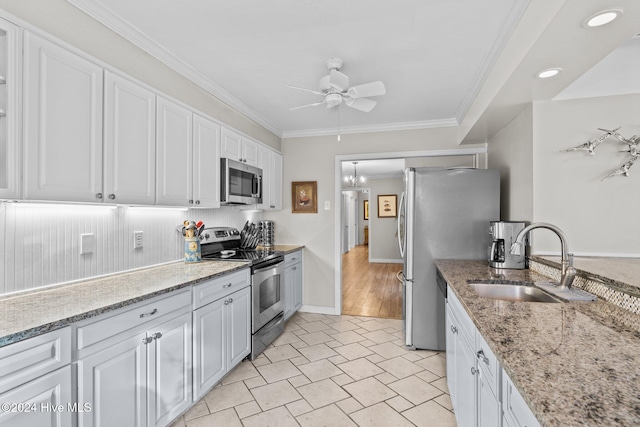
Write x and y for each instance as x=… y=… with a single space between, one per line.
x=504 y=234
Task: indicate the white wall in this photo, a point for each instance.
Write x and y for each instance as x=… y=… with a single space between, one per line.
x=383 y=239
x=41 y=243
x=361 y=221
x=598 y=217
x=313 y=159
x=511 y=152
x=62 y=20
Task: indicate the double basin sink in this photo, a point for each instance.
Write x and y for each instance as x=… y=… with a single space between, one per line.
x=510 y=291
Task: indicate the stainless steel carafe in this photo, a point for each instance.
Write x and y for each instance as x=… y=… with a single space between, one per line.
x=504 y=234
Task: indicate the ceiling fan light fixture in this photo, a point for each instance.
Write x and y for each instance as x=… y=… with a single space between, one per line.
x=333 y=99
x=602 y=18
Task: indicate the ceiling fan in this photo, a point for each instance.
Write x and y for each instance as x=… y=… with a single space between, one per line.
x=334 y=87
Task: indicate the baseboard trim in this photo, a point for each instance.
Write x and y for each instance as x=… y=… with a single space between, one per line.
x=386 y=261
x=318 y=309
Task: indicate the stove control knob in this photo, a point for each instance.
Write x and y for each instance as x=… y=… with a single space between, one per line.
x=206 y=235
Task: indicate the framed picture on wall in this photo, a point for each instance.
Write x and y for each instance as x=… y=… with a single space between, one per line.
x=387 y=206
x=366 y=210
x=304 y=198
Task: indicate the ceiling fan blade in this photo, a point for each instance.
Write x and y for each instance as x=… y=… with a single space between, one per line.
x=362 y=104
x=367 y=89
x=306 y=90
x=308 y=105
x=338 y=80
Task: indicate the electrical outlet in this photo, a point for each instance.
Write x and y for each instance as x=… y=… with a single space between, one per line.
x=87 y=243
x=138 y=239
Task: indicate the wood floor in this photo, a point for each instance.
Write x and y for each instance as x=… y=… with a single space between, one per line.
x=370 y=289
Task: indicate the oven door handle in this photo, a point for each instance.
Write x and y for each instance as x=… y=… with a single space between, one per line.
x=271 y=267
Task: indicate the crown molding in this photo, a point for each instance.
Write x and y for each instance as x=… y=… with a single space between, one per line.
x=387 y=127
x=125 y=29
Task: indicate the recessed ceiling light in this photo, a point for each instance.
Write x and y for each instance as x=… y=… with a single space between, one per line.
x=602 y=18
x=549 y=72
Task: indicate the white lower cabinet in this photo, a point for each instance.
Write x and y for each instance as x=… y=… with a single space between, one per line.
x=221 y=334
x=292 y=283
x=482 y=394
x=139 y=376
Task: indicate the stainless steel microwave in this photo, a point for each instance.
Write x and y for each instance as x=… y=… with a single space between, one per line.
x=240 y=183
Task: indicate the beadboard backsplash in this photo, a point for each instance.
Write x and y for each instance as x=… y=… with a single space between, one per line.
x=40 y=244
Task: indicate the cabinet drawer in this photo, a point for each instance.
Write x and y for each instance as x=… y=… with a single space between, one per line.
x=29 y=359
x=488 y=364
x=466 y=324
x=141 y=313
x=292 y=258
x=514 y=407
x=211 y=290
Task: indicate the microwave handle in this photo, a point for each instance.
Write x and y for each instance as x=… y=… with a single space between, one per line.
x=259 y=189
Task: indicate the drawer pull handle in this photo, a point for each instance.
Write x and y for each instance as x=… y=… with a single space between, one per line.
x=151 y=313
x=454 y=329
x=228 y=285
x=157 y=335
x=293 y=259
x=482 y=357
x=147 y=340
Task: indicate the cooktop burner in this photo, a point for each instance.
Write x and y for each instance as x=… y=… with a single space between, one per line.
x=222 y=243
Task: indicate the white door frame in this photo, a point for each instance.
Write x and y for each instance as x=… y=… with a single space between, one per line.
x=337 y=238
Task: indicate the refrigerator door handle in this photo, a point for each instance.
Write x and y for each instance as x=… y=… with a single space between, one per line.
x=401 y=226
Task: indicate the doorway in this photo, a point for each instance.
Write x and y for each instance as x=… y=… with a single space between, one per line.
x=366 y=285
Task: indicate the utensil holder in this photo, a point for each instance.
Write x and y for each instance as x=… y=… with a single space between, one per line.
x=267 y=233
x=192 y=252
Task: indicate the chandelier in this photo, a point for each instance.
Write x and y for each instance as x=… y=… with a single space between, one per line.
x=354 y=180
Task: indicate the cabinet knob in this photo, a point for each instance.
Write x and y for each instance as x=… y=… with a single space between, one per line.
x=197 y=202
x=294 y=268
x=226 y=302
x=99 y=196
x=157 y=335
x=112 y=196
x=473 y=371
x=147 y=340
x=230 y=300
x=454 y=329
x=191 y=201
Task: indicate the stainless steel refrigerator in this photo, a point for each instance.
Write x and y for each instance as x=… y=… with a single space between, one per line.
x=443 y=214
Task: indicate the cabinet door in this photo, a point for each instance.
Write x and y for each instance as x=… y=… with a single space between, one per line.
x=230 y=144
x=129 y=142
x=489 y=411
x=267 y=177
x=239 y=326
x=452 y=340
x=206 y=163
x=170 y=387
x=63 y=124
x=47 y=399
x=276 y=181
x=10 y=113
x=466 y=387
x=114 y=382
x=289 y=283
x=210 y=347
x=174 y=154
x=297 y=286
x=250 y=152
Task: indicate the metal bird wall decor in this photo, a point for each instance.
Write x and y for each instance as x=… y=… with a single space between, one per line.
x=633 y=148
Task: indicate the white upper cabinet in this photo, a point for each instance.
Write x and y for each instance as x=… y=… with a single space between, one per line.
x=10 y=116
x=240 y=148
x=129 y=142
x=206 y=163
x=63 y=124
x=174 y=154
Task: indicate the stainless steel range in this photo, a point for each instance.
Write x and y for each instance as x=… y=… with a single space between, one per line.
x=267 y=282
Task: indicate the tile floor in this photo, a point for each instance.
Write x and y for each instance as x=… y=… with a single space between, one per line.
x=331 y=371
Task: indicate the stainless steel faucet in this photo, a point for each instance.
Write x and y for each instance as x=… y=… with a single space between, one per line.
x=568 y=273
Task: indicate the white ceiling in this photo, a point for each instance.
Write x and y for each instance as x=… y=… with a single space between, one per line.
x=431 y=55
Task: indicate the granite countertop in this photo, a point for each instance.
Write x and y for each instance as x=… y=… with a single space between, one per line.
x=33 y=313
x=573 y=363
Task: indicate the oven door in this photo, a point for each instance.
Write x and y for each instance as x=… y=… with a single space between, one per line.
x=267 y=287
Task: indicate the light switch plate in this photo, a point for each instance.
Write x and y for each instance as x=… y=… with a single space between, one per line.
x=327 y=205
x=87 y=243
